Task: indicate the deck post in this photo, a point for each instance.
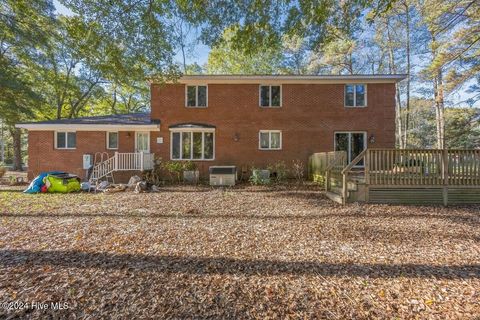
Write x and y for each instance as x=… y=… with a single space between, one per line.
x=366 y=163
x=445 y=176
x=344 y=188
x=327 y=180
x=141 y=161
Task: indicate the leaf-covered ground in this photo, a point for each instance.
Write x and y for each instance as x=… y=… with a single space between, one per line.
x=249 y=252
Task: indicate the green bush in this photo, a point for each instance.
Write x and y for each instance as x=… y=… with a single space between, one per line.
x=278 y=171
x=174 y=169
x=318 y=178
x=189 y=166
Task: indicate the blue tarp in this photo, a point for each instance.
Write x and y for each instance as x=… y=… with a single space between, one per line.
x=37 y=183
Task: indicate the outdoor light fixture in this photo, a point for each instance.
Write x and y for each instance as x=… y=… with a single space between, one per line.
x=236 y=137
x=371 y=139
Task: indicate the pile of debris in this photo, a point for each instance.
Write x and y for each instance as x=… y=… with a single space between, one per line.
x=135 y=184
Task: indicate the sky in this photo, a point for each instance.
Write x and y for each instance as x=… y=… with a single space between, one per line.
x=200 y=52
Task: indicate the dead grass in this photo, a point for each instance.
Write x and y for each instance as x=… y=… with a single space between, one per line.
x=244 y=253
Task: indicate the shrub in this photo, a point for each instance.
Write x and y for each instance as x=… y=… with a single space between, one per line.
x=319 y=178
x=189 y=166
x=174 y=169
x=298 y=170
x=278 y=171
x=257 y=179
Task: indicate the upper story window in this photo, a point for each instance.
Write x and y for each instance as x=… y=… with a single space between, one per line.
x=112 y=140
x=355 y=95
x=270 y=140
x=193 y=145
x=65 y=140
x=270 y=96
x=196 y=96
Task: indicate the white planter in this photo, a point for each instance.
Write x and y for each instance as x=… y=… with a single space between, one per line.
x=191 y=176
x=263 y=175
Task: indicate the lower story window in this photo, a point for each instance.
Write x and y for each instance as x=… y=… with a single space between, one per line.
x=65 y=140
x=193 y=145
x=112 y=140
x=270 y=140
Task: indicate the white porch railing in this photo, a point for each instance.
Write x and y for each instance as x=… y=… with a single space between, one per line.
x=133 y=161
x=123 y=162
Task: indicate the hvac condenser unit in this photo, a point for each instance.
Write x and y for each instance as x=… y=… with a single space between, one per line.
x=223 y=175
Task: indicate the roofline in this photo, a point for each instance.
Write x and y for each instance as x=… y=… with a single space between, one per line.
x=303 y=79
x=87 y=127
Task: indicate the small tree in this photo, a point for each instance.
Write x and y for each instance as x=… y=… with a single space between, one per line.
x=298 y=170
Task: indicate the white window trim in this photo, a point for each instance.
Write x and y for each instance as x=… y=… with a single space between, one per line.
x=66 y=139
x=196 y=96
x=354 y=95
x=365 y=136
x=136 y=140
x=191 y=131
x=269 y=139
x=108 y=140
x=270 y=95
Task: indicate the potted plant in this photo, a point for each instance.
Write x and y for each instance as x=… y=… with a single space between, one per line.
x=190 y=172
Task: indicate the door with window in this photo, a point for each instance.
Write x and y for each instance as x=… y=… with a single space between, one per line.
x=142 y=142
x=353 y=143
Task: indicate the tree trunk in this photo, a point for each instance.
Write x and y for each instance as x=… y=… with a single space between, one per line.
x=439 y=109
x=439 y=100
x=407 y=102
x=2 y=143
x=17 y=148
x=393 y=69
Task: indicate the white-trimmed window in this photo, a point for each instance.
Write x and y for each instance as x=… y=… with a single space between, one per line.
x=112 y=140
x=355 y=95
x=192 y=145
x=196 y=96
x=270 y=140
x=270 y=96
x=65 y=139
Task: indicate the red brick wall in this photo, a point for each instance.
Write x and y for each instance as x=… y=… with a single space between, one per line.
x=42 y=155
x=309 y=115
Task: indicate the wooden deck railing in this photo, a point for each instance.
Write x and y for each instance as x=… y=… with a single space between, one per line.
x=455 y=174
x=392 y=167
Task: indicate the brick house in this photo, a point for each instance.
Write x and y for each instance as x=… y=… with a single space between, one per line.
x=227 y=120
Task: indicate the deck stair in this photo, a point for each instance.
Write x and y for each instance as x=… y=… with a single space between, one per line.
x=105 y=167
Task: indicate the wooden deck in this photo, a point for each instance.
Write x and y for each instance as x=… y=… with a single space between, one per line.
x=404 y=176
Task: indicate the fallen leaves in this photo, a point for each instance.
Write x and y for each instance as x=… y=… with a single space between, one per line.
x=247 y=252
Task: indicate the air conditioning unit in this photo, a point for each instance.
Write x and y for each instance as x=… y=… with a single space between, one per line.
x=223 y=175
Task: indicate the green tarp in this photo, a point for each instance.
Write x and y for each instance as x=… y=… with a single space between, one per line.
x=62 y=183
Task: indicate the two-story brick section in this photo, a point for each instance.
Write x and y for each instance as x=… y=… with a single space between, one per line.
x=237 y=120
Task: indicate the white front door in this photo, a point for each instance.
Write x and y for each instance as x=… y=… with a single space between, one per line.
x=142 y=142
